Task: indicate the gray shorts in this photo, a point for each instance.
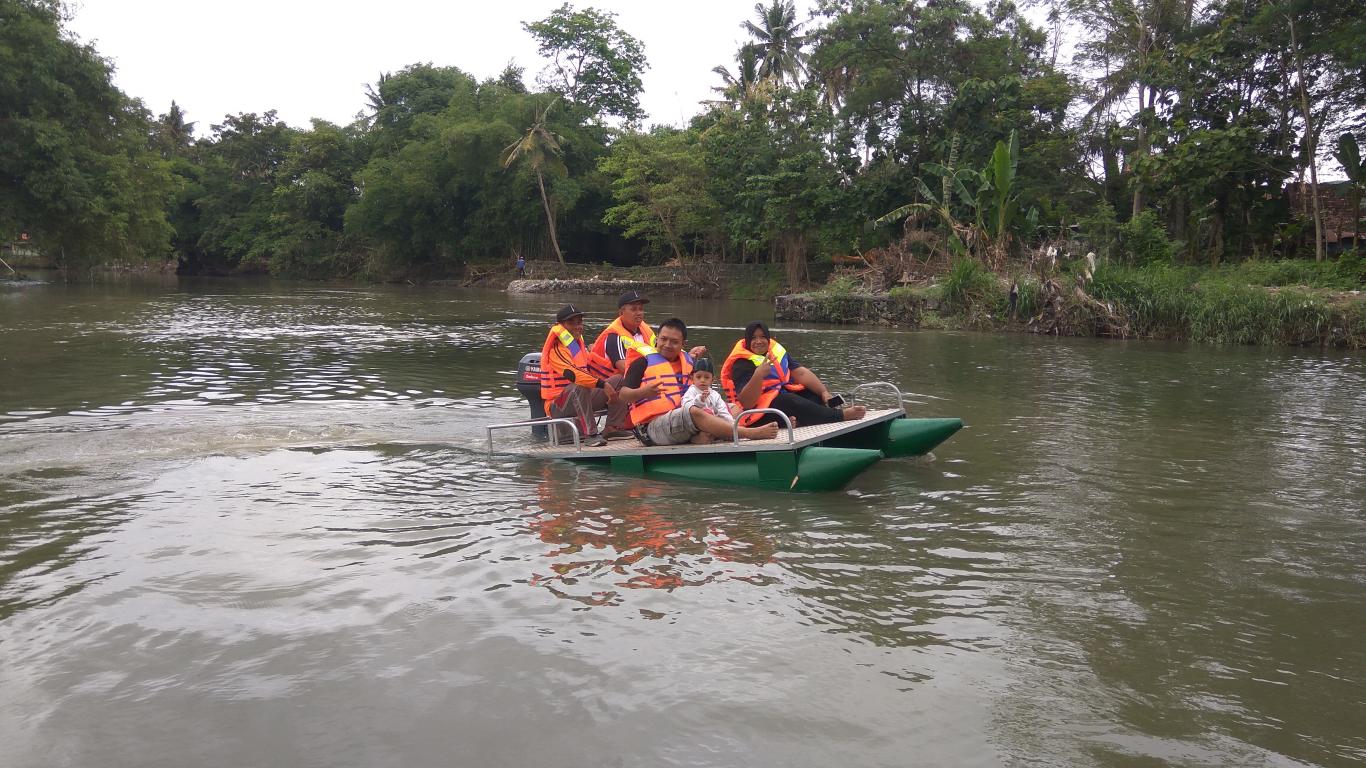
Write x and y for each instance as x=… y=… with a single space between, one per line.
x=672 y=428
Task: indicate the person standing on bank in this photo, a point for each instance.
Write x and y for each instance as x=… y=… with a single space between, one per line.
x=568 y=387
x=627 y=339
x=759 y=373
x=654 y=387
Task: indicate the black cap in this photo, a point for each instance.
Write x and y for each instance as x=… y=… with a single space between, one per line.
x=566 y=312
x=631 y=297
x=703 y=364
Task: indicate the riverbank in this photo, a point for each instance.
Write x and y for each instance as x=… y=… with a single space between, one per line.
x=1226 y=306
x=753 y=282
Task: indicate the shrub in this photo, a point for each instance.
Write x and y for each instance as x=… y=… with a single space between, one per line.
x=1351 y=270
x=1100 y=230
x=1144 y=241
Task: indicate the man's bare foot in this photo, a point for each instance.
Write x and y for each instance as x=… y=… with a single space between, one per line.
x=766 y=432
x=854 y=412
x=702 y=438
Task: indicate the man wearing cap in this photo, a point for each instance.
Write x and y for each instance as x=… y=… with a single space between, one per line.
x=568 y=385
x=622 y=342
x=626 y=340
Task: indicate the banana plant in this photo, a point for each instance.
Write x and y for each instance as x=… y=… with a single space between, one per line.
x=940 y=205
x=994 y=204
x=998 y=203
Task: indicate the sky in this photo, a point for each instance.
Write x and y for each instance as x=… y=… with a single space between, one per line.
x=310 y=58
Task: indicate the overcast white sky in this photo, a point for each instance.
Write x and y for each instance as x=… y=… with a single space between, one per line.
x=310 y=58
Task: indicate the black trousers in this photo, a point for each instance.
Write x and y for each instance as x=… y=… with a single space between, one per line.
x=805 y=407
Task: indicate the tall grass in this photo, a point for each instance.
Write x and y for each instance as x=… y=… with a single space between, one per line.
x=967 y=284
x=1209 y=307
x=1347 y=272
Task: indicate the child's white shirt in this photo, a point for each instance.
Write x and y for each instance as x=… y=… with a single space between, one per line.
x=713 y=402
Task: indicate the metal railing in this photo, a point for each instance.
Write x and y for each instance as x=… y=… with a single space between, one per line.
x=554 y=433
x=900 y=401
x=735 y=427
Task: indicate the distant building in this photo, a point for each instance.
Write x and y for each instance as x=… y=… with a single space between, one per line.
x=1340 y=220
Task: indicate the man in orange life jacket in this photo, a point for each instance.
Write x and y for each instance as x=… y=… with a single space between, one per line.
x=759 y=373
x=568 y=387
x=654 y=386
x=625 y=341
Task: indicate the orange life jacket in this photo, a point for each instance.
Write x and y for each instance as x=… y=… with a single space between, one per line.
x=673 y=379
x=553 y=365
x=779 y=375
x=637 y=346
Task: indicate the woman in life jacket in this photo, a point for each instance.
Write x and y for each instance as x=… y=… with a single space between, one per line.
x=761 y=373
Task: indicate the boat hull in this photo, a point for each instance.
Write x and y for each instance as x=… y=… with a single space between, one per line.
x=813 y=468
x=899 y=437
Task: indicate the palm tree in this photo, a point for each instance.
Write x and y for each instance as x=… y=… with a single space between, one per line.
x=779 y=40
x=1131 y=39
x=741 y=86
x=374 y=97
x=178 y=133
x=540 y=146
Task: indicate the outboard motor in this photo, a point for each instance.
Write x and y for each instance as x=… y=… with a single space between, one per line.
x=529 y=384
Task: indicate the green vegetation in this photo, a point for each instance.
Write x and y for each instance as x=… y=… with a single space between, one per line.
x=929 y=137
x=1222 y=307
x=968 y=285
x=764 y=287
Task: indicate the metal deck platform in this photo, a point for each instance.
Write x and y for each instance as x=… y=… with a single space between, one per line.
x=787 y=440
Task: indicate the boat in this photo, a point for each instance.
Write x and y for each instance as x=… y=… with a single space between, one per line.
x=819 y=457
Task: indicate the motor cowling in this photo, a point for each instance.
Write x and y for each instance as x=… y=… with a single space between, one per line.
x=529 y=384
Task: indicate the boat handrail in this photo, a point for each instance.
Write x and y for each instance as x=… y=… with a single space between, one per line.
x=900 y=401
x=735 y=427
x=554 y=433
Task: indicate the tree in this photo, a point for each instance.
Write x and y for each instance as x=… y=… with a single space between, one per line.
x=239 y=167
x=779 y=39
x=777 y=190
x=741 y=86
x=593 y=62
x=173 y=133
x=75 y=167
x=397 y=99
x=1310 y=137
x=660 y=187
x=1131 y=42
x=539 y=149
x=314 y=185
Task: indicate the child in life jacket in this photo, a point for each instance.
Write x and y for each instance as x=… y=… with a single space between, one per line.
x=702 y=395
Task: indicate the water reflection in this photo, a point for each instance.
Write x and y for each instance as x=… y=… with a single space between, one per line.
x=636 y=536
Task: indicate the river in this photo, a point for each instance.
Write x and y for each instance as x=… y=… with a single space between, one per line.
x=253 y=524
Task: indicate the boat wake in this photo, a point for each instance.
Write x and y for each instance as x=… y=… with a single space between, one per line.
x=111 y=437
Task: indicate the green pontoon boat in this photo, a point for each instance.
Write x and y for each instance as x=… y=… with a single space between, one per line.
x=821 y=457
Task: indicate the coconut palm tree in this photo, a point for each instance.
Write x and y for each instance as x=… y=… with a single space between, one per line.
x=178 y=133
x=539 y=147
x=778 y=36
x=374 y=97
x=1131 y=40
x=741 y=86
